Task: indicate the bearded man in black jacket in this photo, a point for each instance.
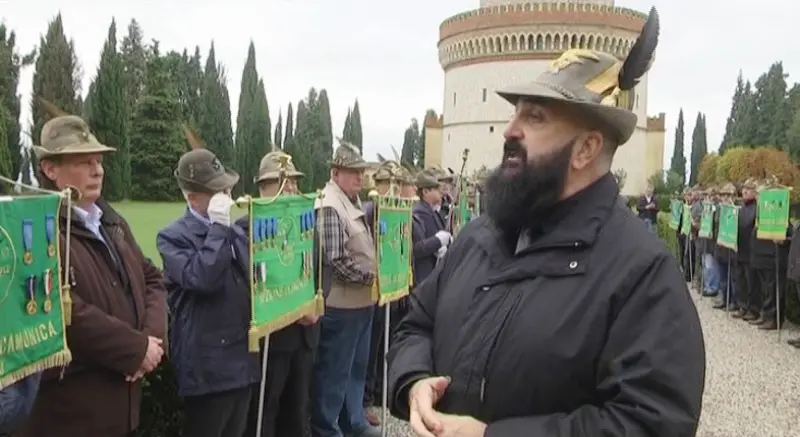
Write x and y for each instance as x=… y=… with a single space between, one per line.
x=557 y=313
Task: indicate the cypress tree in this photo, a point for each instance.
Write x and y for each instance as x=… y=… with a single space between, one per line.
x=346 y=129
x=301 y=145
x=728 y=139
x=678 y=162
x=156 y=137
x=134 y=63
x=278 y=141
x=258 y=143
x=246 y=123
x=770 y=95
x=408 y=153
x=6 y=164
x=56 y=78
x=288 y=135
x=747 y=130
x=355 y=126
x=109 y=118
x=10 y=65
x=215 y=114
x=699 y=149
x=324 y=144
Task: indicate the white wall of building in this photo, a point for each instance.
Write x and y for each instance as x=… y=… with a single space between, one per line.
x=477 y=124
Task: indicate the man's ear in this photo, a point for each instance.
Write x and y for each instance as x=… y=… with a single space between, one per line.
x=588 y=148
x=49 y=169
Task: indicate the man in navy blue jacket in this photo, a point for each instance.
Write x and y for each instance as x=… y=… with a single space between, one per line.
x=16 y=402
x=206 y=269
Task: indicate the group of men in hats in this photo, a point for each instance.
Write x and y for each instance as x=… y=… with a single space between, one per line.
x=554 y=313
x=748 y=281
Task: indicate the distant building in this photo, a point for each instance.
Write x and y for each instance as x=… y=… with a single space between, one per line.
x=507 y=42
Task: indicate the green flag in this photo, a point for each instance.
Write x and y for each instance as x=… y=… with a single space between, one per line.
x=32 y=308
x=707 y=221
x=675 y=210
x=686 y=225
x=773 y=214
x=282 y=264
x=393 y=221
x=728 y=226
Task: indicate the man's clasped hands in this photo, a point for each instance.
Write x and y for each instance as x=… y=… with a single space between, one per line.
x=427 y=422
x=152 y=358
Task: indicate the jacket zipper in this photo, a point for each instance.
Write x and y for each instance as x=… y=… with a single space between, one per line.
x=485 y=374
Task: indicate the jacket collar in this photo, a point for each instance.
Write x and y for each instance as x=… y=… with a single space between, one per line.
x=574 y=222
x=194 y=224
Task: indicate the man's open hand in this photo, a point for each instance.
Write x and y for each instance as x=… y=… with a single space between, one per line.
x=460 y=426
x=424 y=394
x=308 y=320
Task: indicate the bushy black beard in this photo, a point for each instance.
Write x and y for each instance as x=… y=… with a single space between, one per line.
x=524 y=198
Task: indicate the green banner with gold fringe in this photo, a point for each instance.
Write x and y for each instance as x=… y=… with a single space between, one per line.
x=728 y=227
x=707 y=221
x=773 y=214
x=686 y=223
x=32 y=308
x=393 y=221
x=282 y=263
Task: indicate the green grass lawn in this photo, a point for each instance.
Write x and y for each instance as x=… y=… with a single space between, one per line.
x=146 y=219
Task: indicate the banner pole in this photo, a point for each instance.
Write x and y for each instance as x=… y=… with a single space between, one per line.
x=728 y=286
x=262 y=390
x=385 y=388
x=778 y=293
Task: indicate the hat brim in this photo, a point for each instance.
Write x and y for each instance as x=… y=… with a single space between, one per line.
x=358 y=166
x=275 y=175
x=220 y=183
x=77 y=149
x=621 y=121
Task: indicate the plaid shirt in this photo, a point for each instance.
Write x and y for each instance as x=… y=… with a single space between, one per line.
x=334 y=237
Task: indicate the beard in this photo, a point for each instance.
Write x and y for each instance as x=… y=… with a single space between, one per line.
x=521 y=194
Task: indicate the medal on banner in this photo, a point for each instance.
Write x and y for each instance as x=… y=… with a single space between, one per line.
x=262 y=267
x=30 y=286
x=48 y=290
x=268 y=232
x=257 y=234
x=50 y=228
x=27 y=241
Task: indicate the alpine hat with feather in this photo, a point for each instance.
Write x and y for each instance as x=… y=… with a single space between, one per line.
x=66 y=134
x=598 y=82
x=199 y=170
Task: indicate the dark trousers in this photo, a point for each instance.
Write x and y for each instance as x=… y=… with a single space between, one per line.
x=727 y=276
x=374 y=384
x=769 y=294
x=286 y=395
x=688 y=257
x=340 y=372
x=218 y=414
x=748 y=292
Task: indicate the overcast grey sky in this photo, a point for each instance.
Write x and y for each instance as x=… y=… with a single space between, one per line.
x=384 y=53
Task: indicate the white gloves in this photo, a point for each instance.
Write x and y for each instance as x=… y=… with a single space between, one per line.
x=444 y=237
x=219 y=209
x=440 y=253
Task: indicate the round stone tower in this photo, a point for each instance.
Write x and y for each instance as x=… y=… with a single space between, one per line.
x=507 y=42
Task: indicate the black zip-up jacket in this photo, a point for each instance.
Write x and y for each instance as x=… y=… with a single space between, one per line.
x=587 y=329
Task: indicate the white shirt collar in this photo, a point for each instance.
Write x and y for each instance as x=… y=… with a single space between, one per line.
x=93 y=214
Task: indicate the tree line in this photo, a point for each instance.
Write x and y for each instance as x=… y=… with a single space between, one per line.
x=764 y=118
x=140 y=97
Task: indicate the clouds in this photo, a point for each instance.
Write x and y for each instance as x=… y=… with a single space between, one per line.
x=384 y=53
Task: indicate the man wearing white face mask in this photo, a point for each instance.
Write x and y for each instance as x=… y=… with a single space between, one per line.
x=430 y=237
x=206 y=268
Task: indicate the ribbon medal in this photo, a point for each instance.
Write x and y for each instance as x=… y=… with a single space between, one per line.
x=27 y=241
x=48 y=290
x=257 y=233
x=30 y=285
x=50 y=227
x=262 y=267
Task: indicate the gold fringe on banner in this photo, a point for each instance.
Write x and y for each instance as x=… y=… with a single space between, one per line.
x=393 y=296
x=59 y=359
x=256 y=333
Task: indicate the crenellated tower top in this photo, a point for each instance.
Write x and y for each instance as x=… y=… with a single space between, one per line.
x=490 y=3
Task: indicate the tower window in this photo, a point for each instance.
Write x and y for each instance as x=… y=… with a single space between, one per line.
x=491 y=129
x=454 y=99
x=484 y=95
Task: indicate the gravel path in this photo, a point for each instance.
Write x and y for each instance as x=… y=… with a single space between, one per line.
x=752 y=380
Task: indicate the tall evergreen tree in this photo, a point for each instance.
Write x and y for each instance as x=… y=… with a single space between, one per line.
x=347 y=131
x=699 y=148
x=678 y=162
x=56 y=78
x=409 y=153
x=769 y=98
x=156 y=137
x=288 y=135
x=302 y=143
x=278 y=141
x=134 y=63
x=246 y=120
x=10 y=65
x=109 y=118
x=355 y=126
x=6 y=164
x=728 y=139
x=747 y=130
x=258 y=144
x=324 y=144
x=215 y=118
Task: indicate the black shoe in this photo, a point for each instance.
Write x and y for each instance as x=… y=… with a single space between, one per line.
x=719 y=306
x=795 y=342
